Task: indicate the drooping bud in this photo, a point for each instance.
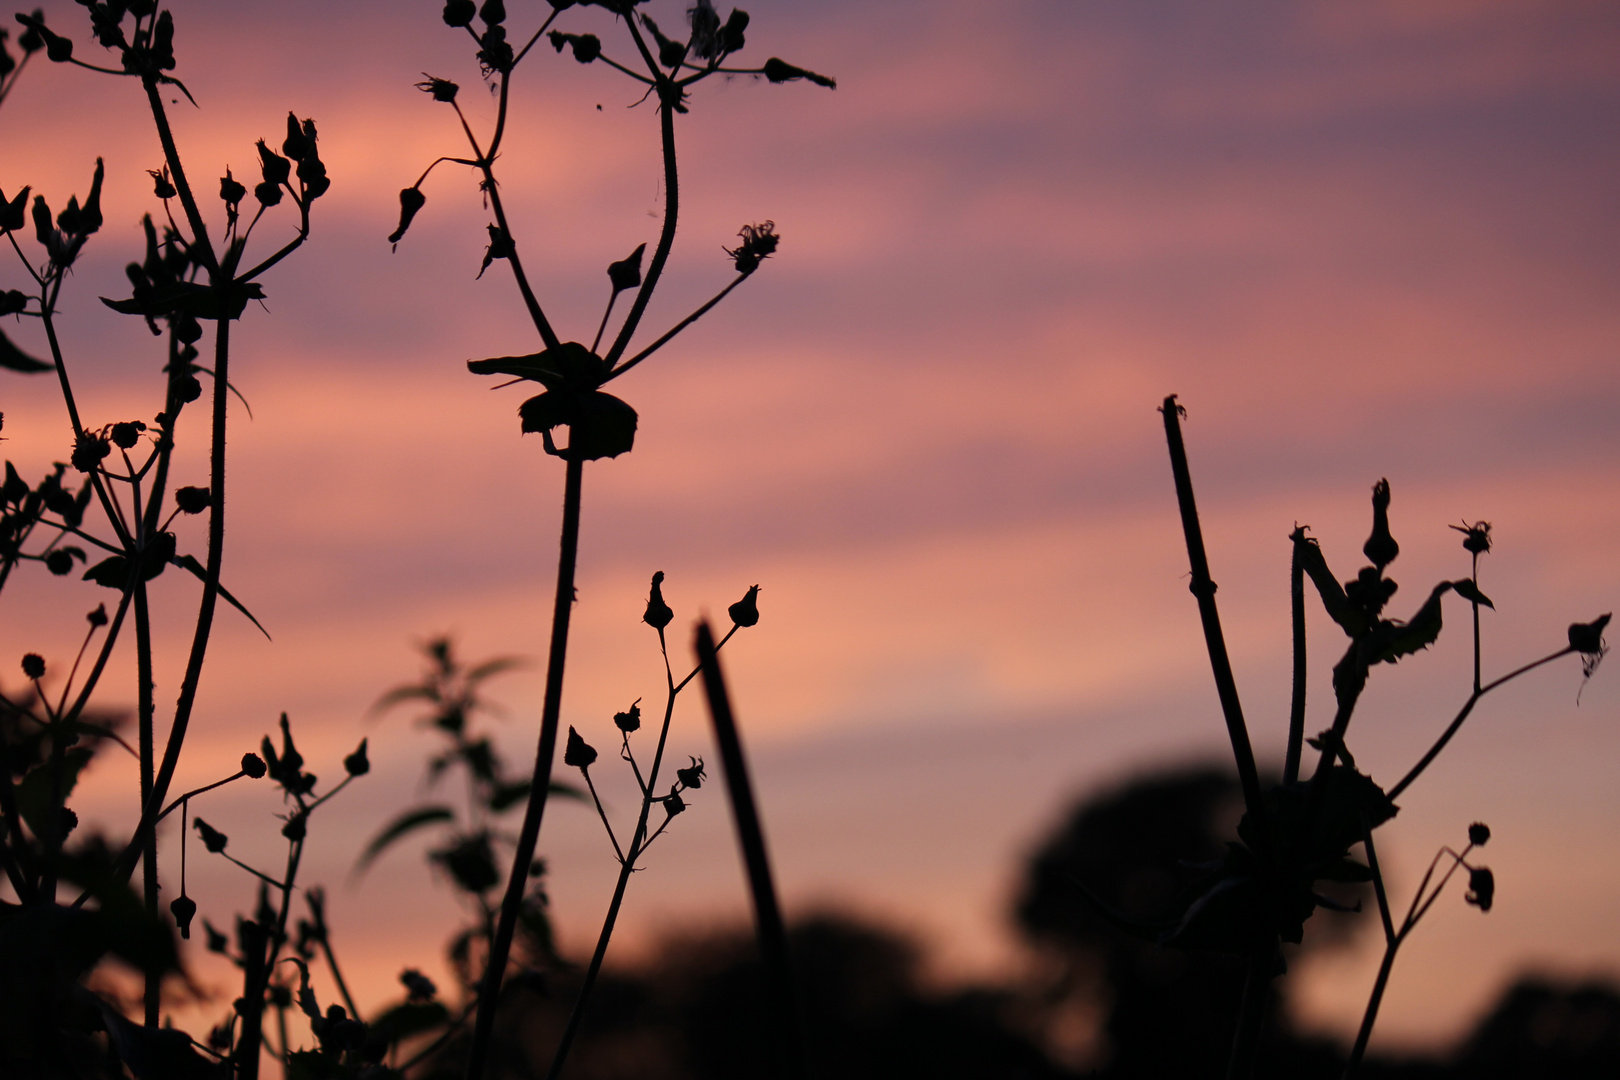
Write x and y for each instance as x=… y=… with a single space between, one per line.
x=1588 y=637
x=184 y=909
x=411 y=200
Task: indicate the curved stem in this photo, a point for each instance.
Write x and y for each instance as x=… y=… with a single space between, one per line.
x=500 y=945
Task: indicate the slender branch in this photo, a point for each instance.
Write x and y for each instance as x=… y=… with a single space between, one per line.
x=1468 y=707
x=618 y=851
x=177 y=173
x=682 y=325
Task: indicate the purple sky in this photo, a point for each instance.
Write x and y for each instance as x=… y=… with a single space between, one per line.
x=1359 y=241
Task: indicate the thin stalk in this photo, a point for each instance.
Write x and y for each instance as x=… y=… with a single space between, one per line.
x=205 y=609
x=145 y=710
x=672 y=202
x=1204 y=589
x=1475 y=603
x=1296 y=711
x=500 y=944
x=1370 y=1017
x=1468 y=707
x=772 y=935
x=1251 y=1020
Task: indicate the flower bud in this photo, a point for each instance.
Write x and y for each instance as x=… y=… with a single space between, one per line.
x=98 y=617
x=418 y=987
x=161 y=186
x=296 y=146
x=88 y=450
x=126 y=433
x=658 y=614
x=192 y=500
x=579 y=753
x=745 y=612
x=626 y=273
x=459 y=12
x=212 y=838
x=1481 y=888
x=297 y=826
x=253 y=766
x=357 y=764
x=267 y=193
x=493 y=12
x=14 y=214
x=673 y=804
x=630 y=719
x=1588 y=637
x=59 y=562
x=1381 y=547
x=1479 y=833
x=33 y=666
x=275 y=168
x=230 y=191
x=692 y=775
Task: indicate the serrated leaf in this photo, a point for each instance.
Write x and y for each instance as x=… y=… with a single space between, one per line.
x=1392 y=640
x=1469 y=591
x=403 y=825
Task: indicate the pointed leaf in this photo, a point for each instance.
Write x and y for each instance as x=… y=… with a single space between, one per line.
x=14 y=359
x=1469 y=591
x=1328 y=587
x=406 y=823
x=1392 y=640
x=189 y=562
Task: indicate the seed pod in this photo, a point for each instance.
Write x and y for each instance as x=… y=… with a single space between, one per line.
x=276 y=169
x=1479 y=833
x=626 y=273
x=1588 y=637
x=59 y=562
x=357 y=764
x=253 y=766
x=126 y=433
x=296 y=145
x=459 y=12
x=193 y=500
x=161 y=187
x=33 y=666
x=14 y=214
x=630 y=719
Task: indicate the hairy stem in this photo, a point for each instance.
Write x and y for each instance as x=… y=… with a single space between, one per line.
x=1296 y=711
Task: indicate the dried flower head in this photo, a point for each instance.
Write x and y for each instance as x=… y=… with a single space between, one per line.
x=758 y=242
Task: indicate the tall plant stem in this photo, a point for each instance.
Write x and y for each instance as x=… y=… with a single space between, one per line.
x=500 y=945
x=205 y=608
x=1204 y=589
x=1370 y=1017
x=145 y=709
x=772 y=935
x=1296 y=710
x=1251 y=1020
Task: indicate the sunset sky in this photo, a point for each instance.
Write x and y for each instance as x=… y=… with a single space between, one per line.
x=1359 y=241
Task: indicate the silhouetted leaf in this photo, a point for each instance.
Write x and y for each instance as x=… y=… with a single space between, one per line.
x=34 y=791
x=1469 y=591
x=1351 y=621
x=1392 y=640
x=190 y=563
x=190 y=298
x=14 y=359
x=411 y=1018
x=403 y=825
x=570 y=364
x=599 y=424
